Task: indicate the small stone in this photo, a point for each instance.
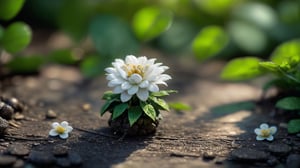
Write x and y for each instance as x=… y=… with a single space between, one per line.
x=19 y=164
x=18 y=150
x=19 y=116
x=51 y=114
x=3 y=125
x=15 y=104
x=60 y=150
x=208 y=155
x=293 y=161
x=41 y=158
x=7 y=160
x=219 y=160
x=272 y=161
x=279 y=149
x=86 y=107
x=75 y=158
x=63 y=162
x=6 y=111
x=248 y=155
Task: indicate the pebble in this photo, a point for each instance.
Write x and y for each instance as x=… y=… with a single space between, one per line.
x=51 y=114
x=219 y=160
x=19 y=116
x=75 y=158
x=248 y=155
x=86 y=107
x=6 y=111
x=272 y=161
x=60 y=150
x=208 y=155
x=293 y=161
x=3 y=125
x=41 y=158
x=18 y=150
x=279 y=149
x=63 y=162
x=7 y=160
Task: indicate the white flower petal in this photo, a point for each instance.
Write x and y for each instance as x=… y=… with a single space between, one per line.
x=110 y=70
x=144 y=84
x=143 y=94
x=259 y=138
x=69 y=129
x=264 y=126
x=257 y=131
x=270 y=138
x=114 y=83
x=64 y=135
x=135 y=78
x=118 y=89
x=125 y=96
x=126 y=85
x=53 y=132
x=153 y=88
x=133 y=90
x=55 y=124
x=131 y=59
x=273 y=130
x=64 y=124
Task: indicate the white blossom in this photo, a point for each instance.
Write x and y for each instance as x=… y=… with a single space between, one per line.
x=63 y=129
x=136 y=76
x=265 y=132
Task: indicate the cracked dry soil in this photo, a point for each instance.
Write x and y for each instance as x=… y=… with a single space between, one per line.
x=217 y=132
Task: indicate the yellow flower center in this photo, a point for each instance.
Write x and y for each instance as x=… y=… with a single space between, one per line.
x=59 y=129
x=265 y=132
x=134 y=69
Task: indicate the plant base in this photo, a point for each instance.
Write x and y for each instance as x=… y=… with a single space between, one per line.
x=143 y=126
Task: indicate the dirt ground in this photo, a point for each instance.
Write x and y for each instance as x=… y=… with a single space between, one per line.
x=217 y=132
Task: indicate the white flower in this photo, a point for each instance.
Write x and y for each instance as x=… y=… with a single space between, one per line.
x=63 y=129
x=136 y=76
x=265 y=132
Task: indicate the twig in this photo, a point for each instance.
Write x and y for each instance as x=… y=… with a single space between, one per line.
x=96 y=133
x=24 y=138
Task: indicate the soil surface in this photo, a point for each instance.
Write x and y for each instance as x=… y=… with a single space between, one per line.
x=217 y=132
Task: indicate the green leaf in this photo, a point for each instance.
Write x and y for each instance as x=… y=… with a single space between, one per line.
x=92 y=66
x=289 y=103
x=270 y=66
x=241 y=69
x=160 y=103
x=287 y=52
x=134 y=113
x=106 y=106
x=179 y=106
x=16 y=37
x=25 y=65
x=63 y=56
x=163 y=93
x=148 y=109
x=209 y=42
x=108 y=95
x=10 y=8
x=149 y=22
x=294 y=126
x=119 y=110
x=112 y=37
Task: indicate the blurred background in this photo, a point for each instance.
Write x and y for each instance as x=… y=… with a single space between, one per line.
x=91 y=33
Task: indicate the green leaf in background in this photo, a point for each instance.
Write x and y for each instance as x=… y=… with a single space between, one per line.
x=159 y=103
x=24 y=65
x=1 y=32
x=112 y=37
x=10 y=8
x=63 y=56
x=241 y=69
x=134 y=113
x=149 y=22
x=119 y=110
x=248 y=37
x=270 y=66
x=16 y=37
x=215 y=7
x=92 y=66
x=294 y=126
x=179 y=106
x=163 y=93
x=149 y=110
x=289 y=103
x=287 y=52
x=209 y=42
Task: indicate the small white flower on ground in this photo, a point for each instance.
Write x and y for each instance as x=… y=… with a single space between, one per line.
x=265 y=132
x=136 y=76
x=63 y=129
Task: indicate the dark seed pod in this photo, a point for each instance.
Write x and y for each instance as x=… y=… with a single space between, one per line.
x=6 y=111
x=3 y=125
x=14 y=103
